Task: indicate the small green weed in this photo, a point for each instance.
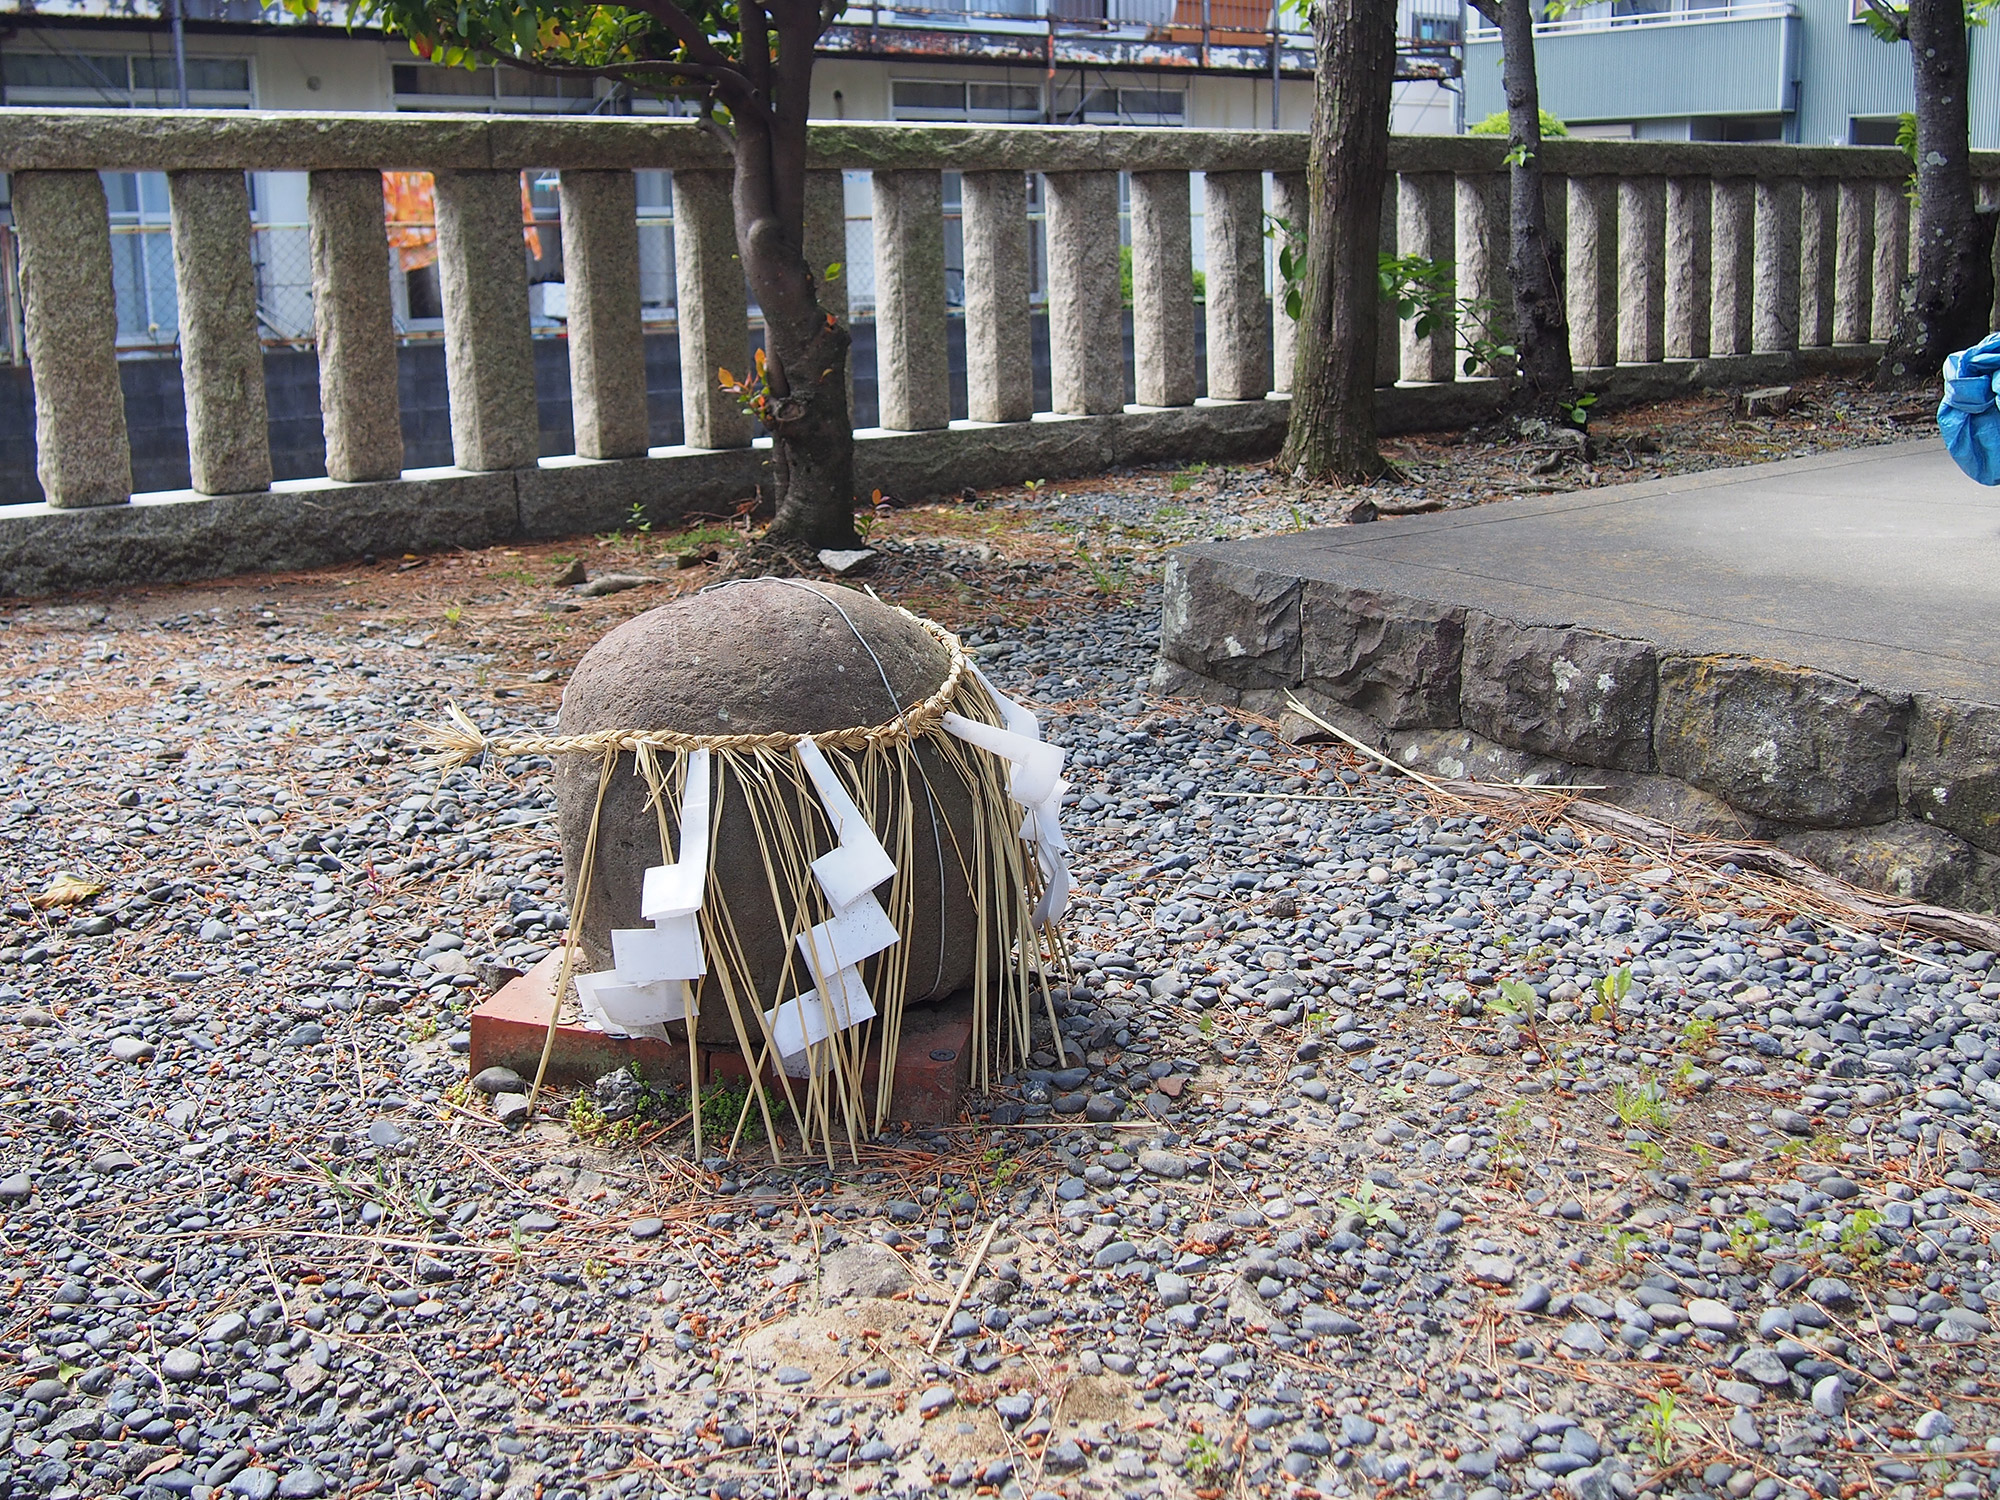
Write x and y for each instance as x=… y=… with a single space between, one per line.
x=1364 y=1205
x=1623 y=1243
x=637 y=519
x=1204 y=1459
x=1658 y=1423
x=1577 y=408
x=1610 y=992
x=1640 y=1105
x=1858 y=1241
x=1515 y=999
x=723 y=1103
x=1699 y=1034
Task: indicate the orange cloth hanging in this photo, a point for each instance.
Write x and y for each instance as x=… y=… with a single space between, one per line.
x=409 y=209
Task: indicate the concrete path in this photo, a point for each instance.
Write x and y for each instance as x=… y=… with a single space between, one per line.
x=1881 y=564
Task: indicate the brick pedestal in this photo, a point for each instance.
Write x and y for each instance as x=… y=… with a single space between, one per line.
x=933 y=1061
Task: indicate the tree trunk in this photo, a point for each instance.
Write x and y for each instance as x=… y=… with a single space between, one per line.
x=1534 y=266
x=1332 y=433
x=1952 y=292
x=804 y=403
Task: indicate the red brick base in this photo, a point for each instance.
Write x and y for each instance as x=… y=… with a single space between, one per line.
x=933 y=1060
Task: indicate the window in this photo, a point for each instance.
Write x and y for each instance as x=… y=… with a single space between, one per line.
x=415 y=78
x=1122 y=106
x=1876 y=131
x=982 y=103
x=426 y=86
x=1006 y=103
x=205 y=75
x=123 y=81
x=1434 y=31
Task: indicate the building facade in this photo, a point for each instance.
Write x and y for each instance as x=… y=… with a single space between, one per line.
x=1803 y=71
x=1196 y=63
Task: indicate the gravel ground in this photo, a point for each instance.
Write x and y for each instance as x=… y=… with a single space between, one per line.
x=1316 y=1205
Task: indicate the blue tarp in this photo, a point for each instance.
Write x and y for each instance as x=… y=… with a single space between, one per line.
x=1970 y=415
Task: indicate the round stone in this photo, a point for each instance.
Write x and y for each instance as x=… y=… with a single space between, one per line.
x=761 y=657
x=1706 y=1312
x=180 y=1364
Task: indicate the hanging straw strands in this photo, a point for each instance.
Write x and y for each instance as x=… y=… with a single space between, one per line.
x=894 y=772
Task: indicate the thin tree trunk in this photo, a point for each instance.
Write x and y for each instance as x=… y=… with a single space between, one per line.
x=805 y=348
x=1332 y=433
x=1950 y=296
x=1534 y=266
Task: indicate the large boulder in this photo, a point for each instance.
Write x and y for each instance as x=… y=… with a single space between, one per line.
x=759 y=657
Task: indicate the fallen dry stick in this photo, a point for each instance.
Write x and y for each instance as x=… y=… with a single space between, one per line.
x=1869 y=906
x=964 y=1284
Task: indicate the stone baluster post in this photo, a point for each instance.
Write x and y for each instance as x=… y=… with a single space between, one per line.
x=354 y=324
x=222 y=360
x=1163 y=364
x=1776 y=320
x=1086 y=322
x=1729 y=307
x=1642 y=270
x=82 y=456
x=826 y=250
x=1854 y=264
x=1291 y=203
x=1239 y=320
x=1690 y=270
x=711 y=308
x=1389 y=331
x=607 y=340
x=1817 y=256
x=1892 y=247
x=912 y=365
x=489 y=352
x=1426 y=226
x=1480 y=221
x=999 y=350
x=1593 y=271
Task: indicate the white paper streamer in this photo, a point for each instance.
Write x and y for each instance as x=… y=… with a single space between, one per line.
x=858 y=929
x=855 y=933
x=807 y=1021
x=646 y=985
x=676 y=890
x=622 y=1009
x=1035 y=783
x=860 y=863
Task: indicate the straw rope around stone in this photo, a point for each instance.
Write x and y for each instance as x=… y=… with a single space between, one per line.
x=459 y=741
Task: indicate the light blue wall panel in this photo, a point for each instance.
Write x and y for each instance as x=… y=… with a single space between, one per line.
x=1734 y=67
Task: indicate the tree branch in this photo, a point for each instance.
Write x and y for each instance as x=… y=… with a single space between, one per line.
x=1489 y=10
x=687 y=32
x=756 y=48
x=1897 y=20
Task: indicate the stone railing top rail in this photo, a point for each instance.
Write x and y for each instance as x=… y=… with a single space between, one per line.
x=181 y=140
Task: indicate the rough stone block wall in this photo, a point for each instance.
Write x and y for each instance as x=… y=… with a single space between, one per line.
x=1895 y=792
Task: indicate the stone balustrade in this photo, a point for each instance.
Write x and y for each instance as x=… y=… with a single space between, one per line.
x=1687 y=264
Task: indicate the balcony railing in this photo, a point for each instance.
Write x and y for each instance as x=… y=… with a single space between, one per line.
x=1617 y=18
